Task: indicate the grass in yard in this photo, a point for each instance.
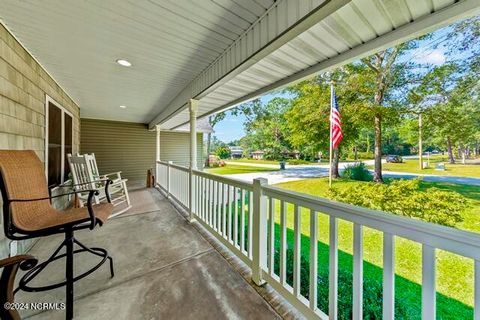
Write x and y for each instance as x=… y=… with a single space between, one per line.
x=234 y=169
x=263 y=161
x=412 y=165
x=454 y=273
x=248 y=160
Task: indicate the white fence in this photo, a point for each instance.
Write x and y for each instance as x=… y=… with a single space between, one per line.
x=243 y=216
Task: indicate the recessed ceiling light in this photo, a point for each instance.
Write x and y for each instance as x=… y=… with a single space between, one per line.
x=124 y=62
x=123 y=107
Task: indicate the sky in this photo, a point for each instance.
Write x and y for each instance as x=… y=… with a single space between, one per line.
x=231 y=128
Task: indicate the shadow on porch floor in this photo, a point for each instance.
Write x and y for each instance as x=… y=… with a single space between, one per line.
x=164 y=269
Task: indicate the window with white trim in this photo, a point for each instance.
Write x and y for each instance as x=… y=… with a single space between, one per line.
x=58 y=142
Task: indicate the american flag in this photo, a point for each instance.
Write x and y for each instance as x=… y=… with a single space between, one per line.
x=336 y=133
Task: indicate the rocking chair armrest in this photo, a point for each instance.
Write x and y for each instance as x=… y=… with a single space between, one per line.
x=83 y=183
x=118 y=173
x=26 y=261
x=92 y=191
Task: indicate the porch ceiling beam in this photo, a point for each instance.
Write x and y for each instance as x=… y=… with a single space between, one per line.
x=421 y=26
x=277 y=26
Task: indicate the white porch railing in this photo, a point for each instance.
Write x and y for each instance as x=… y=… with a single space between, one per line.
x=243 y=217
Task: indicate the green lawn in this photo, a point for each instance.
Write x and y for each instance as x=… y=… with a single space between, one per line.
x=263 y=161
x=454 y=273
x=248 y=160
x=467 y=170
x=234 y=169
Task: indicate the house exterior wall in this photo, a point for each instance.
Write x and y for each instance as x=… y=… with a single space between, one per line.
x=119 y=146
x=24 y=85
x=175 y=146
x=131 y=148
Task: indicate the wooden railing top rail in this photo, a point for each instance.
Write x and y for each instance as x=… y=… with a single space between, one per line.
x=233 y=182
x=173 y=165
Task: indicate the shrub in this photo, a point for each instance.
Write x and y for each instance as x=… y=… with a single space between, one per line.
x=357 y=171
x=372 y=290
x=365 y=155
x=223 y=152
x=295 y=162
x=213 y=161
x=404 y=197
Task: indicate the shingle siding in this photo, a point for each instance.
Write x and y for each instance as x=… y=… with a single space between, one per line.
x=24 y=85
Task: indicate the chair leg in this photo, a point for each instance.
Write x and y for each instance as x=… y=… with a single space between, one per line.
x=69 y=274
x=125 y=190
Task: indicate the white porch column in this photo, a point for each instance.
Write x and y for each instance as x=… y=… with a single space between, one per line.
x=157 y=128
x=193 y=106
x=157 y=157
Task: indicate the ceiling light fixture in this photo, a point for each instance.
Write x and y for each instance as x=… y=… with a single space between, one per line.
x=124 y=62
x=123 y=107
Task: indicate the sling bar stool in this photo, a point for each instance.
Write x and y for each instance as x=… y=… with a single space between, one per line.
x=28 y=213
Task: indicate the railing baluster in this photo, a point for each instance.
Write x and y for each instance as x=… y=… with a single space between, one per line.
x=204 y=202
x=357 y=272
x=235 y=217
x=428 y=282
x=219 y=211
x=388 y=277
x=242 y=221
x=207 y=200
x=224 y=211
x=297 y=229
x=476 y=283
x=271 y=238
x=229 y=197
x=283 y=243
x=333 y=269
x=313 y=259
x=215 y=203
x=250 y=223
x=210 y=200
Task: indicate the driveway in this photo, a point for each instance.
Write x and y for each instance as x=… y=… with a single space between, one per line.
x=301 y=172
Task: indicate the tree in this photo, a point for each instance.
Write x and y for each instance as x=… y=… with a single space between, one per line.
x=311 y=109
x=379 y=76
x=265 y=126
x=223 y=152
x=212 y=120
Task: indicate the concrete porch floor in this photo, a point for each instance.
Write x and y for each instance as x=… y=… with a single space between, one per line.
x=164 y=269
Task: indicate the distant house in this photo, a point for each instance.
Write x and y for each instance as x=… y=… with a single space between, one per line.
x=257 y=155
x=294 y=154
x=236 y=152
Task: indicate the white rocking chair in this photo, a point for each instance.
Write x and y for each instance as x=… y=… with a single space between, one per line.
x=85 y=171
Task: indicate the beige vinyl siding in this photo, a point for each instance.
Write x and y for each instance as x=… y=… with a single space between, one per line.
x=119 y=146
x=131 y=148
x=175 y=146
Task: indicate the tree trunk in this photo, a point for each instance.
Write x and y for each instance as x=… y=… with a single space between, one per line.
x=377 y=176
x=450 y=151
x=209 y=139
x=355 y=151
x=335 y=161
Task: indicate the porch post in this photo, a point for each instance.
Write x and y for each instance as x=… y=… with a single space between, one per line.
x=193 y=106
x=259 y=234
x=157 y=157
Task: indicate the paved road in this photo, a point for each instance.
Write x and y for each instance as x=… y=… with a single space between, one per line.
x=300 y=172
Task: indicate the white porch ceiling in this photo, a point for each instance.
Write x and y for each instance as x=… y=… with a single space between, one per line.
x=357 y=29
x=168 y=42
x=221 y=52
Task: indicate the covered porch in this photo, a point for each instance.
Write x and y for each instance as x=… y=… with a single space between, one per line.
x=165 y=268
x=202 y=246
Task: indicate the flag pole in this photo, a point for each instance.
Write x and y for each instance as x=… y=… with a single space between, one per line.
x=331 y=145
